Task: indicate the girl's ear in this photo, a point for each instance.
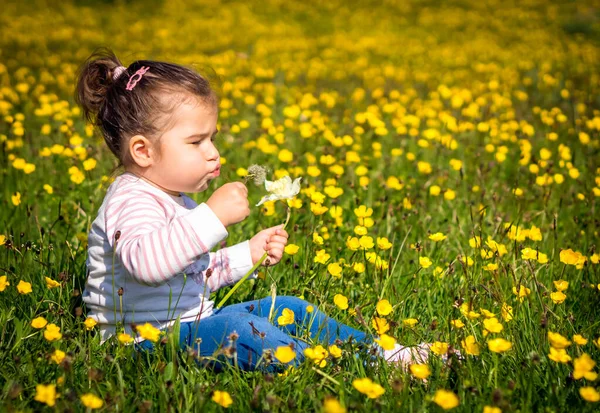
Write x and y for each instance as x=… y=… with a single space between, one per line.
x=141 y=151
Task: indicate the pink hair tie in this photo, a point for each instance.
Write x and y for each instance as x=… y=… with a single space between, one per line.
x=133 y=80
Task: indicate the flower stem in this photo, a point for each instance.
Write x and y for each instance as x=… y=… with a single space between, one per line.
x=254 y=267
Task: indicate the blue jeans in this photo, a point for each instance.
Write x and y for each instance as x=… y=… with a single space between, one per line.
x=249 y=321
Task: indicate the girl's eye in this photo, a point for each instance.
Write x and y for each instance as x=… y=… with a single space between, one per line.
x=196 y=143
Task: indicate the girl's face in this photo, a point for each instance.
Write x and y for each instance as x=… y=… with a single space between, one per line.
x=188 y=158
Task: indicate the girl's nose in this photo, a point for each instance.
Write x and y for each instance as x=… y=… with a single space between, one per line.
x=213 y=153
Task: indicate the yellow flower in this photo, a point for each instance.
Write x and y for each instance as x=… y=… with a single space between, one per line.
x=491 y=409
x=39 y=322
x=589 y=394
x=341 y=301
x=24 y=287
x=383 y=243
x=45 y=393
x=410 y=322
x=335 y=351
x=368 y=387
x=318 y=354
x=558 y=297
x=425 y=262
x=148 y=332
x=3 y=283
x=291 y=249
x=89 y=164
x=445 y=399
x=457 y=323
x=475 y=242
x=91 y=401
x=366 y=242
x=332 y=405
x=380 y=325
x=440 y=348
x=470 y=346
x=383 y=307
x=52 y=332
x=521 y=292
x=571 y=257
x=558 y=341
x=507 y=314
x=222 y=398
x=561 y=285
x=420 y=371
x=579 y=340
x=125 y=338
x=582 y=368
x=386 y=342
x=559 y=355
x=531 y=254
x=310 y=309
x=322 y=257
x=335 y=270
x=492 y=325
x=50 y=283
x=58 y=356
x=285 y=354
x=499 y=345
x=16 y=198
x=287 y=317
x=90 y=323
x=490 y=267
x=438 y=236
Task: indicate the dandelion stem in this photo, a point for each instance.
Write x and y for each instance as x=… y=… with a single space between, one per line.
x=254 y=267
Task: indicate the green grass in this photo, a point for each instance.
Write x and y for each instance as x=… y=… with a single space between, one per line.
x=404 y=55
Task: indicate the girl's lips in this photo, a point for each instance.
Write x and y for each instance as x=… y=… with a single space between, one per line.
x=217 y=171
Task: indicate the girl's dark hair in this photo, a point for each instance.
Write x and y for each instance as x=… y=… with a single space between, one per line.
x=144 y=110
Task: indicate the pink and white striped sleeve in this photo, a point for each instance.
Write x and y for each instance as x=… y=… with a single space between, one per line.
x=228 y=265
x=153 y=244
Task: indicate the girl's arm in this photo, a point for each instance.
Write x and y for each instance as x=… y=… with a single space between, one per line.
x=154 y=247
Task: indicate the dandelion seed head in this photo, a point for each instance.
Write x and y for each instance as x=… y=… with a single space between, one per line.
x=257 y=173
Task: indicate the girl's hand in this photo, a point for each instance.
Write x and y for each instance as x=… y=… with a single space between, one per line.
x=230 y=203
x=272 y=240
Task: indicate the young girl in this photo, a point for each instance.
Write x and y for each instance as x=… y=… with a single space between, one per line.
x=149 y=253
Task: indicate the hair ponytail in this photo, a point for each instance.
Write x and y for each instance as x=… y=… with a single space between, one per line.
x=94 y=79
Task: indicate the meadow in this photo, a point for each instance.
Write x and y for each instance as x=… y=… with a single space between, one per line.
x=449 y=155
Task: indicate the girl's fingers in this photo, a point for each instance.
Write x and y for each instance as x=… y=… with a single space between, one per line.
x=277 y=239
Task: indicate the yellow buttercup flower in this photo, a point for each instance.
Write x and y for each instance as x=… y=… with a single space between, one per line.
x=335 y=351
x=335 y=270
x=291 y=249
x=558 y=341
x=499 y=345
x=446 y=399
x=332 y=405
x=386 y=342
x=3 y=282
x=24 y=287
x=90 y=323
x=341 y=301
x=287 y=317
x=222 y=398
x=125 y=338
x=285 y=354
x=589 y=394
x=438 y=236
x=420 y=371
x=368 y=387
x=148 y=332
x=383 y=307
x=558 y=297
x=46 y=393
x=380 y=325
x=52 y=332
x=582 y=368
x=580 y=340
x=39 y=322
x=470 y=346
x=58 y=356
x=317 y=354
x=559 y=355
x=50 y=283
